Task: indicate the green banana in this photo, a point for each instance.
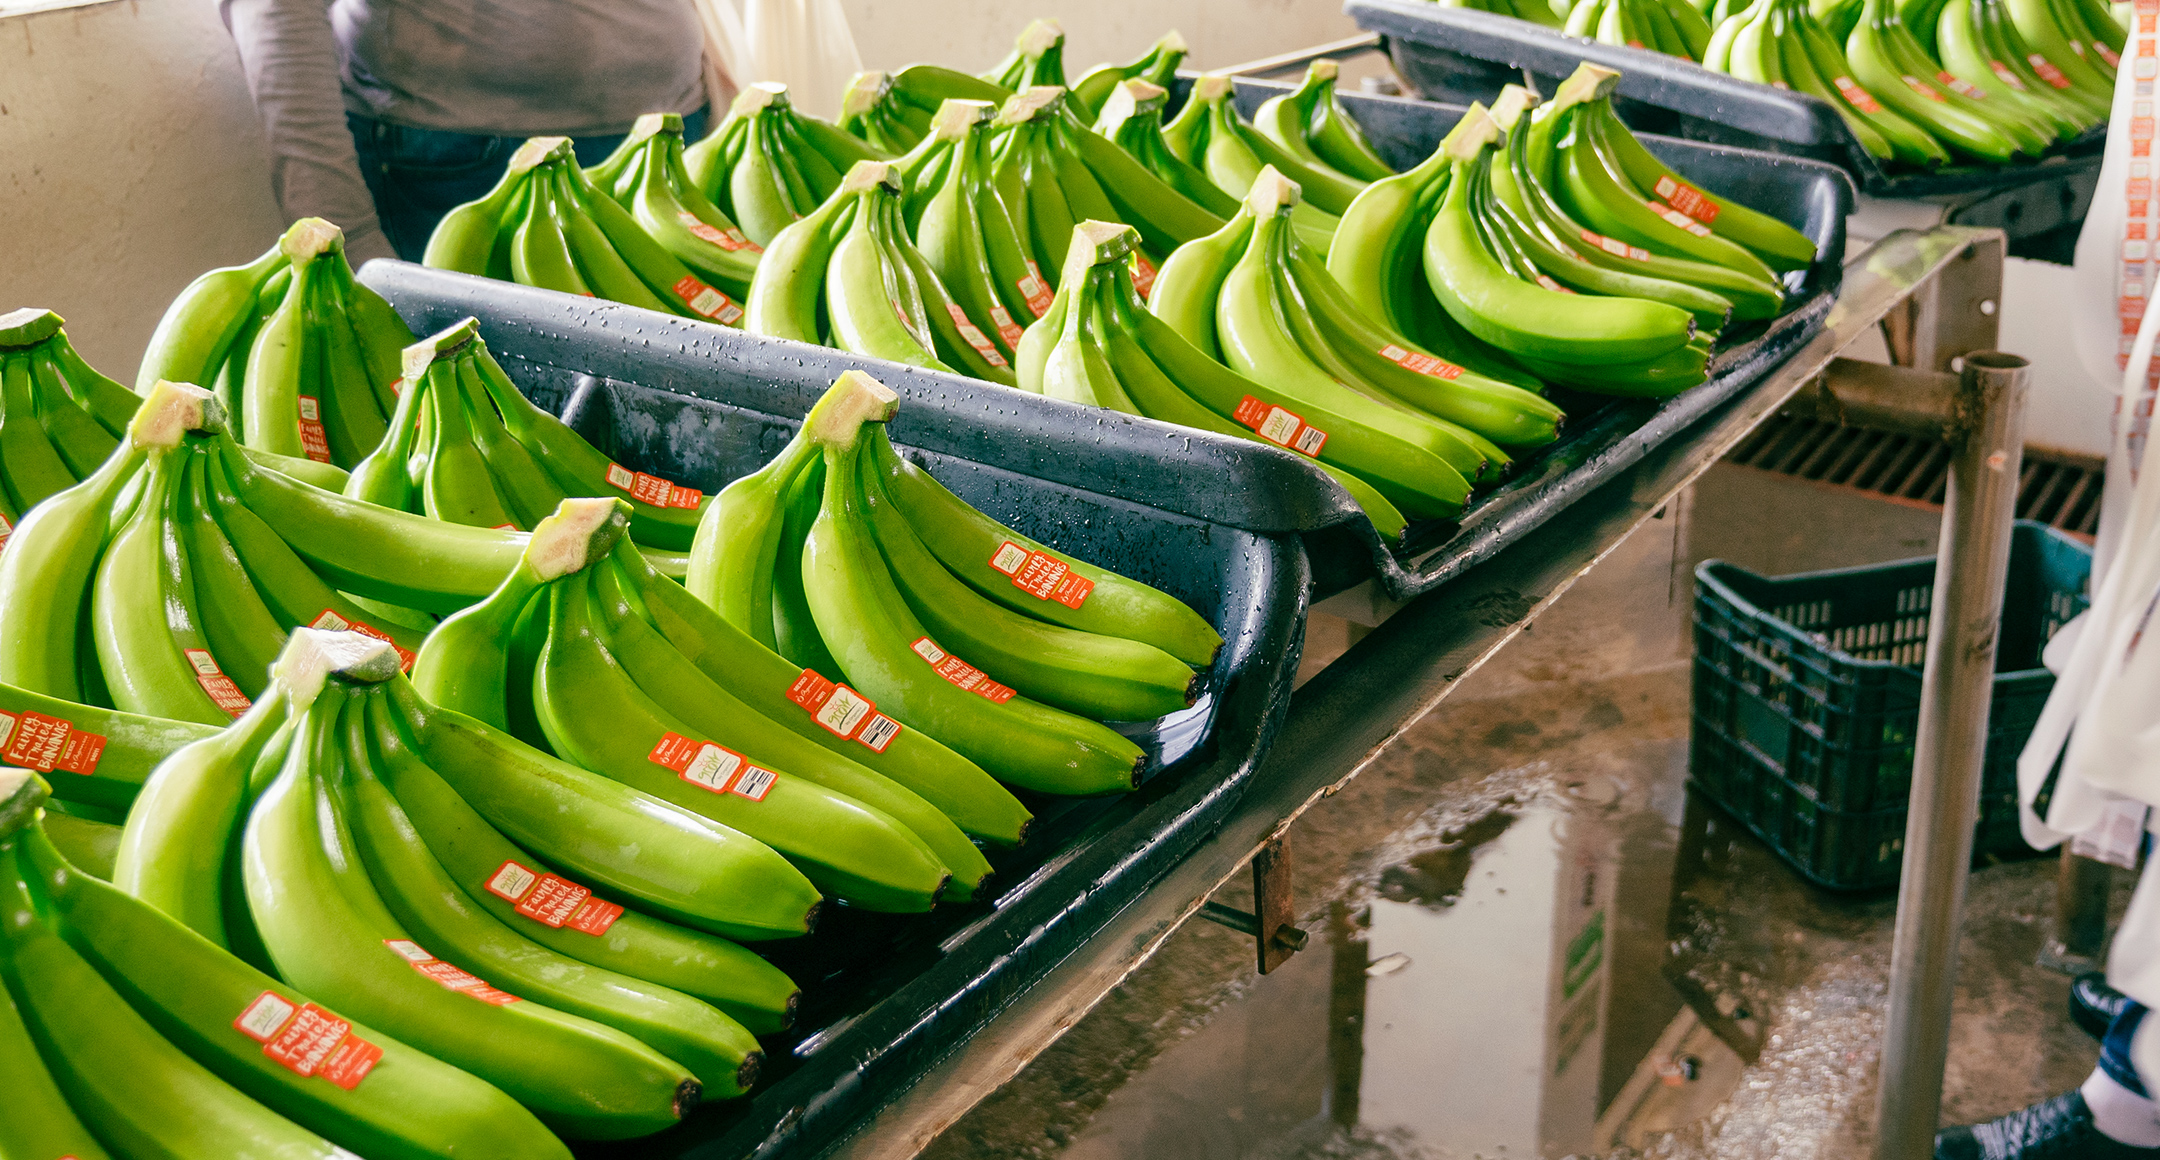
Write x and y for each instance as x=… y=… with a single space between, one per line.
x=1156 y=67
x=198 y=328
x=1037 y=58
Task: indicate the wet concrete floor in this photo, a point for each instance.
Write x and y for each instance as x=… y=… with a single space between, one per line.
x=1530 y=940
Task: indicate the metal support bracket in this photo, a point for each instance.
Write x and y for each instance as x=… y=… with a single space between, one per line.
x=1272 y=898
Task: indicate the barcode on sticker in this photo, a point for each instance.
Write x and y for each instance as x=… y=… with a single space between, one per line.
x=1041 y=574
x=1687 y=199
x=1423 y=364
x=653 y=490
x=728 y=239
x=1000 y=317
x=223 y=693
x=552 y=899
x=962 y=674
x=446 y=975
x=330 y=621
x=308 y=1040
x=314 y=441
x=1035 y=290
x=839 y=709
x=1860 y=98
x=706 y=301
x=1143 y=273
x=31 y=740
x=973 y=336
x=714 y=767
x=878 y=732
x=1678 y=220
x=1615 y=246
x=1277 y=425
x=2047 y=70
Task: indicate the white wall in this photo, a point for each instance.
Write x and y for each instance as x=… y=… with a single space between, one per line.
x=130 y=161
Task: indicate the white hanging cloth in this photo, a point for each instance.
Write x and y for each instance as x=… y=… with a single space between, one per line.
x=805 y=45
x=727 y=54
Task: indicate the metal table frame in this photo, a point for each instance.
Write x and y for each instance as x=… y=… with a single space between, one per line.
x=1934 y=295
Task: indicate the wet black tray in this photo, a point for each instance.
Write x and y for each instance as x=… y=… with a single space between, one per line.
x=884 y=997
x=1462 y=54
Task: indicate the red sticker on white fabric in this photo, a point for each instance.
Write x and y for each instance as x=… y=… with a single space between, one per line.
x=223 y=693
x=651 y=489
x=1035 y=290
x=1423 y=364
x=706 y=301
x=962 y=674
x=307 y=1040
x=1860 y=98
x=1688 y=199
x=448 y=976
x=552 y=900
x=728 y=239
x=313 y=439
x=712 y=767
x=30 y=740
x=330 y=621
x=1042 y=575
x=1279 y=426
x=1000 y=317
x=973 y=336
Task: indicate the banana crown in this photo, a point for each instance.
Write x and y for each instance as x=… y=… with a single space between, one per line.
x=1212 y=87
x=652 y=124
x=421 y=355
x=27 y=327
x=1471 y=135
x=170 y=411
x=1321 y=72
x=1589 y=82
x=21 y=792
x=854 y=399
x=1127 y=100
x=1096 y=243
x=312 y=655
x=864 y=91
x=1271 y=193
x=1026 y=106
x=1510 y=105
x=760 y=96
x=534 y=152
x=578 y=535
x=1038 y=37
x=957 y=115
x=864 y=176
x=311 y=237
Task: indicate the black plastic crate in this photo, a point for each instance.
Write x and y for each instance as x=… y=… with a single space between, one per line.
x=1807 y=700
x=1463 y=54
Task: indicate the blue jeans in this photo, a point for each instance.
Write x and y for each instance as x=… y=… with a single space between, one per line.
x=2115 y=1049
x=418 y=175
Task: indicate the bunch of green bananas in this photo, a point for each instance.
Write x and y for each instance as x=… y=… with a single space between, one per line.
x=1157 y=66
x=972 y=239
x=430 y=875
x=124 y=1034
x=848 y=276
x=2080 y=40
x=302 y=357
x=1534 y=11
x=1311 y=125
x=546 y=224
x=890 y=112
x=1210 y=134
x=1099 y=346
x=1065 y=173
x=858 y=566
x=1132 y=119
x=1781 y=43
x=467 y=447
x=647 y=176
x=59 y=419
x=166 y=582
x=1037 y=58
x=1673 y=27
x=610 y=655
x=767 y=165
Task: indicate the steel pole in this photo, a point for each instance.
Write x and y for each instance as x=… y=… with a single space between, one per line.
x=1950 y=748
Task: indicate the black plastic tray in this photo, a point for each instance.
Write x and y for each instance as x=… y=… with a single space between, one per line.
x=884 y=996
x=1462 y=54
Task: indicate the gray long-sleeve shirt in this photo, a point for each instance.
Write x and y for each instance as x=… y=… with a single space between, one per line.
x=511 y=68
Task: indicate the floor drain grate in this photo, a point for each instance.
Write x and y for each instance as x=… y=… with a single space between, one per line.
x=2057 y=489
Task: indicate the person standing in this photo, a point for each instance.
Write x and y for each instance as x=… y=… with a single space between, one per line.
x=382 y=115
